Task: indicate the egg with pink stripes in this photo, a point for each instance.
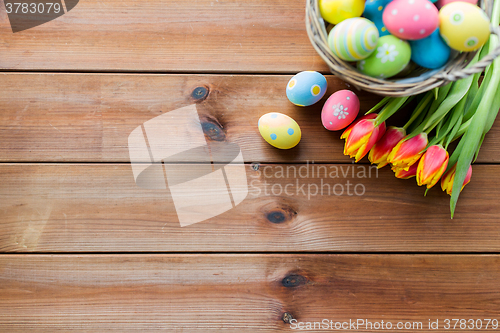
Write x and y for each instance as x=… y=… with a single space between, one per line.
x=411 y=19
x=339 y=110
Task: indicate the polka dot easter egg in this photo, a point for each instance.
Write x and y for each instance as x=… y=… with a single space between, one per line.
x=390 y=57
x=336 y=11
x=431 y=52
x=340 y=109
x=411 y=19
x=306 y=88
x=279 y=130
x=373 y=11
x=464 y=26
x=353 y=39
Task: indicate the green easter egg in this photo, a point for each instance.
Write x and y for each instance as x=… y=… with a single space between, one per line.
x=390 y=57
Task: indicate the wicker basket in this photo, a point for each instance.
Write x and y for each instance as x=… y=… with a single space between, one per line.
x=418 y=81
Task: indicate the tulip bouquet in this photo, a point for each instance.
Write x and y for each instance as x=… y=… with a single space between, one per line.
x=462 y=110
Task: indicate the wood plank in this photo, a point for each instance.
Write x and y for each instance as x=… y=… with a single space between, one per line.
x=99 y=208
x=244 y=293
x=88 y=118
x=166 y=36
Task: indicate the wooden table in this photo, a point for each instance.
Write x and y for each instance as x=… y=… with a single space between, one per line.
x=85 y=249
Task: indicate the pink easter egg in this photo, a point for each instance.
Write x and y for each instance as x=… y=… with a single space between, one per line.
x=411 y=19
x=442 y=3
x=339 y=110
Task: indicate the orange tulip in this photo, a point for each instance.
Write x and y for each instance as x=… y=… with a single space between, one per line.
x=405 y=174
x=381 y=149
x=408 y=152
x=449 y=177
x=432 y=166
x=361 y=137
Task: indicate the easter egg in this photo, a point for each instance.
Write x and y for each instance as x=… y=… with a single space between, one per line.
x=340 y=109
x=306 y=88
x=430 y=52
x=335 y=11
x=279 y=130
x=389 y=58
x=464 y=26
x=353 y=39
x=442 y=3
x=411 y=19
x=373 y=11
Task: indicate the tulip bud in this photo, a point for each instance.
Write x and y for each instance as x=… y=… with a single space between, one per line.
x=405 y=174
x=432 y=166
x=381 y=149
x=408 y=152
x=346 y=132
x=361 y=137
x=449 y=177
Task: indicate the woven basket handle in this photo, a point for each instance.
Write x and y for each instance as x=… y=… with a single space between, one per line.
x=478 y=66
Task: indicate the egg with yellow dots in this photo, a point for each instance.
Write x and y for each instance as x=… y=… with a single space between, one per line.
x=336 y=11
x=306 y=88
x=464 y=26
x=279 y=130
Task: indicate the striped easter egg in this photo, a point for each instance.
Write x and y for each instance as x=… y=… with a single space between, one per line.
x=353 y=39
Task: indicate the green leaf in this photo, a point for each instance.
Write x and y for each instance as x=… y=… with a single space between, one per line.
x=478 y=148
x=380 y=104
x=474 y=88
x=456 y=153
x=492 y=114
x=457 y=92
x=475 y=131
x=471 y=110
x=452 y=120
x=390 y=108
x=435 y=92
x=495 y=107
x=419 y=109
x=453 y=132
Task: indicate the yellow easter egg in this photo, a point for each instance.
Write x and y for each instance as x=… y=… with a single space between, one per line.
x=336 y=11
x=279 y=130
x=463 y=26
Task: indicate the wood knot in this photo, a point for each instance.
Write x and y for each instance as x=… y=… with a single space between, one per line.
x=293 y=280
x=287 y=318
x=213 y=130
x=281 y=214
x=276 y=217
x=200 y=93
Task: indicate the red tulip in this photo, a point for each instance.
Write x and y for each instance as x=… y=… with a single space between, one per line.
x=432 y=166
x=449 y=177
x=361 y=137
x=346 y=132
x=408 y=152
x=381 y=149
x=405 y=174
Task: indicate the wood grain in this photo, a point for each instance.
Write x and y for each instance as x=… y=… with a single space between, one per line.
x=244 y=293
x=166 y=36
x=99 y=208
x=88 y=118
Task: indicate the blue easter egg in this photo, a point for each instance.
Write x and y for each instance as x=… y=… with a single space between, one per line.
x=373 y=12
x=306 y=88
x=430 y=52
